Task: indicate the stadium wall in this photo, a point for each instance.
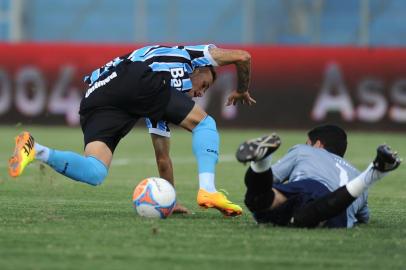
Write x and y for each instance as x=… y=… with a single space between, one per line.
x=295 y=87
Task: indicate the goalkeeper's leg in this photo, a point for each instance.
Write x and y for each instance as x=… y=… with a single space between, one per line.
x=336 y=202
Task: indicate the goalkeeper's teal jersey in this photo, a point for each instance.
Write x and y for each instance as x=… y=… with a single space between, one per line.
x=305 y=162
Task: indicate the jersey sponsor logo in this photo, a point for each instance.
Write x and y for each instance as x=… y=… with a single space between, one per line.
x=100 y=84
x=177 y=75
x=212 y=151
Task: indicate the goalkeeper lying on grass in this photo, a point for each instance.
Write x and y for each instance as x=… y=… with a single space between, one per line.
x=321 y=189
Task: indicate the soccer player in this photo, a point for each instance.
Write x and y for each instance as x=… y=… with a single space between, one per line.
x=148 y=82
x=322 y=188
x=160 y=136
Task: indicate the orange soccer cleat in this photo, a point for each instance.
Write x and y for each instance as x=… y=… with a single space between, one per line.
x=219 y=201
x=24 y=154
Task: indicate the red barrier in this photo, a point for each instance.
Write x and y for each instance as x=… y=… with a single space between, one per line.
x=294 y=86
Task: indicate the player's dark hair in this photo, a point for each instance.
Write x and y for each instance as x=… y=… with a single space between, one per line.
x=333 y=138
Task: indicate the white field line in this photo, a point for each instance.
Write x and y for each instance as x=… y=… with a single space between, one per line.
x=175 y=160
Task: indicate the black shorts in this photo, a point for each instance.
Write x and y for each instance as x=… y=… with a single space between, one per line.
x=299 y=194
x=111 y=111
x=107 y=124
x=131 y=87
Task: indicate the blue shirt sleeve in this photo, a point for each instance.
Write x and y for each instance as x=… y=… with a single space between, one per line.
x=283 y=167
x=358 y=211
x=363 y=213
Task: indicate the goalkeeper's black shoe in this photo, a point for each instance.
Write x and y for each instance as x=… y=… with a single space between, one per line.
x=258 y=149
x=386 y=159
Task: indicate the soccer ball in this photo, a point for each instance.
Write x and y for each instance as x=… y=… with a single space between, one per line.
x=154 y=197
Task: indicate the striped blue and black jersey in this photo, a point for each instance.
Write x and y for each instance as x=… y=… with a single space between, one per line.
x=178 y=61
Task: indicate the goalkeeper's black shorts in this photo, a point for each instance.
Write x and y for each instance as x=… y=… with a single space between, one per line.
x=299 y=194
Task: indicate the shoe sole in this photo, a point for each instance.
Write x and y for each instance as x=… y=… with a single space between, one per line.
x=387 y=157
x=248 y=150
x=225 y=212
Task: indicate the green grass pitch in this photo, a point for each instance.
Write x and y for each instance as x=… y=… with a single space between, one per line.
x=50 y=222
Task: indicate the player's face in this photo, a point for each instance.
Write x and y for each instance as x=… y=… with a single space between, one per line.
x=201 y=79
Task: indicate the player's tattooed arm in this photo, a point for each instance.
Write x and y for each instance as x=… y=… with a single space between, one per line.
x=241 y=59
x=244 y=75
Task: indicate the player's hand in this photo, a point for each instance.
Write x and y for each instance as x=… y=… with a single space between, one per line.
x=243 y=98
x=180 y=209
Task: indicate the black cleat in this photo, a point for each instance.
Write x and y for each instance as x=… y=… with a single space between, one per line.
x=386 y=159
x=258 y=149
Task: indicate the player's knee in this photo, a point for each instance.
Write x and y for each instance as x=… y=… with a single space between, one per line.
x=97 y=178
x=261 y=201
x=207 y=123
x=164 y=164
x=96 y=172
x=303 y=218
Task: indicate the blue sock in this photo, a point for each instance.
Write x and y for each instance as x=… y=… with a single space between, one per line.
x=205 y=144
x=88 y=170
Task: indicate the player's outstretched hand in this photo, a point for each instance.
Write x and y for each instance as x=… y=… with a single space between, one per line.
x=180 y=209
x=243 y=98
